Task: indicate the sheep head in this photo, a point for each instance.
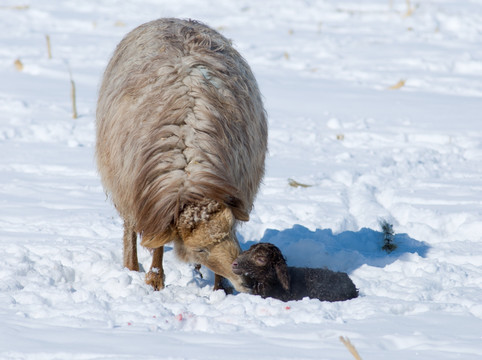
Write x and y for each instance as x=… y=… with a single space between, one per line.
x=207 y=237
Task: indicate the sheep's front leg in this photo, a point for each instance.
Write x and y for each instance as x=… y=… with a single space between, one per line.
x=220 y=284
x=130 y=247
x=155 y=276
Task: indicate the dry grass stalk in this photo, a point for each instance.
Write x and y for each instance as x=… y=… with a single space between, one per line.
x=295 y=184
x=119 y=23
x=72 y=95
x=49 y=49
x=16 y=7
x=18 y=65
x=350 y=347
x=409 y=9
x=397 y=86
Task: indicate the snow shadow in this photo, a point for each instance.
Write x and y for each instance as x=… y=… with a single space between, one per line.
x=345 y=251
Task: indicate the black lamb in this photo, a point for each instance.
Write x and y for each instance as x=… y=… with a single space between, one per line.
x=264 y=271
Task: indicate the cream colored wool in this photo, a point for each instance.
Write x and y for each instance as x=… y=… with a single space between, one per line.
x=180 y=125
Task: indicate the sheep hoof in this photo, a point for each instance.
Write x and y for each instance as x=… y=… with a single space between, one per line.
x=220 y=283
x=155 y=279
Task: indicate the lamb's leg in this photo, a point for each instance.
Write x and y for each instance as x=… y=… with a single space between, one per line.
x=130 y=247
x=155 y=276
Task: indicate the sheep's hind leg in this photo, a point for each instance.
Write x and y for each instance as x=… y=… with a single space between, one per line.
x=130 y=247
x=155 y=276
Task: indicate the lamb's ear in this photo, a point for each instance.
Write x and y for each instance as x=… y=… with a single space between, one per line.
x=283 y=276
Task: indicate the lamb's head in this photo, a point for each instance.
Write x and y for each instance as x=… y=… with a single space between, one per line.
x=207 y=237
x=261 y=266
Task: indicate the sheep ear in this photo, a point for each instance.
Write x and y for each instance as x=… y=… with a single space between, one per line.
x=237 y=207
x=240 y=215
x=283 y=276
x=222 y=224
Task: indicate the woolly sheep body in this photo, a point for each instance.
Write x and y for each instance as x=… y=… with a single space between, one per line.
x=180 y=126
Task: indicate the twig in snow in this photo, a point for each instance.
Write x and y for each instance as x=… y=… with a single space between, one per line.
x=350 y=347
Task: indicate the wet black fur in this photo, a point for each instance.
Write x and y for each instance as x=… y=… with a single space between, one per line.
x=264 y=271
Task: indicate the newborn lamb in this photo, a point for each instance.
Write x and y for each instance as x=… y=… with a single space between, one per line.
x=263 y=270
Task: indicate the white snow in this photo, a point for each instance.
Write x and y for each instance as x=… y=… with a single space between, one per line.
x=412 y=156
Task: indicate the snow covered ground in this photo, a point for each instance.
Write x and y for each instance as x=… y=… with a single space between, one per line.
x=327 y=71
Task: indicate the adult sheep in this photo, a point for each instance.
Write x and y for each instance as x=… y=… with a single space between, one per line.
x=181 y=144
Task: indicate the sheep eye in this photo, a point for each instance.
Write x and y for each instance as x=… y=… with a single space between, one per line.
x=200 y=250
x=260 y=260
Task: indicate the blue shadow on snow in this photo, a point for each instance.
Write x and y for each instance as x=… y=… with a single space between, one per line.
x=345 y=251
